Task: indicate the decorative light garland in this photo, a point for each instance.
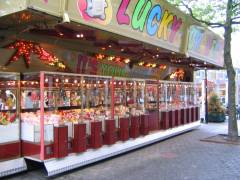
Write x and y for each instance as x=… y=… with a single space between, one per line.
x=179 y=74
x=118 y=59
x=25 y=48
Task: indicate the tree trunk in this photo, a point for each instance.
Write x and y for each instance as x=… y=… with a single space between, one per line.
x=232 y=122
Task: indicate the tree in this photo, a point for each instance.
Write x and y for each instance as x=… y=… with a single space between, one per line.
x=219 y=14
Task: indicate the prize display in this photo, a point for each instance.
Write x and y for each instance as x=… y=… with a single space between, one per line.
x=135 y=96
x=163 y=104
x=121 y=99
x=129 y=97
x=9 y=116
x=70 y=104
x=151 y=95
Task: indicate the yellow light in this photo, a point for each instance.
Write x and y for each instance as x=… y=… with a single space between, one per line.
x=100 y=56
x=148 y=65
x=127 y=61
x=154 y=65
x=110 y=58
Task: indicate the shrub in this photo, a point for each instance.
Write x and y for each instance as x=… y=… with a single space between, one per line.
x=214 y=104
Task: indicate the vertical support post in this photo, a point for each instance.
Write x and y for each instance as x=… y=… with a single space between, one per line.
x=166 y=96
x=18 y=108
x=206 y=100
x=112 y=97
x=135 y=93
x=185 y=95
x=158 y=103
x=82 y=94
x=144 y=96
x=41 y=115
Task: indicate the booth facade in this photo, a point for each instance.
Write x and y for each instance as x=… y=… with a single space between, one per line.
x=94 y=85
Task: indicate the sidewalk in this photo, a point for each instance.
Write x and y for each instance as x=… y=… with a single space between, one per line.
x=184 y=157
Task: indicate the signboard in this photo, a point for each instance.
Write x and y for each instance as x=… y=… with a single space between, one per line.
x=12 y=6
x=152 y=21
x=205 y=45
x=90 y=65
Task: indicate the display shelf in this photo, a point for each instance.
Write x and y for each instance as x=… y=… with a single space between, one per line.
x=9 y=110
x=52 y=108
x=62 y=108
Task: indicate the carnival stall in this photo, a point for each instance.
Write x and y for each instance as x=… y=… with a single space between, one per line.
x=82 y=81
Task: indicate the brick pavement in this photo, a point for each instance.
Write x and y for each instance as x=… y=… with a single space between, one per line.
x=184 y=157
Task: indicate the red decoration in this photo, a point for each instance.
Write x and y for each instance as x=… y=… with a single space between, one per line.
x=25 y=48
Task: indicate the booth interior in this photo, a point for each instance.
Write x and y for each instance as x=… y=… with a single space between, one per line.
x=68 y=88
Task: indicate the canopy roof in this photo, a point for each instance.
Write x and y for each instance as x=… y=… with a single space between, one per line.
x=165 y=34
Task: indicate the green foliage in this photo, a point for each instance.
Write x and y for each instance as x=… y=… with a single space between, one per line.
x=210 y=11
x=214 y=104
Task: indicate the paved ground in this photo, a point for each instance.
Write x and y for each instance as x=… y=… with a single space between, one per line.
x=181 y=158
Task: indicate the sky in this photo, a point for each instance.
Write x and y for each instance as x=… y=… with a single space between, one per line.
x=236 y=49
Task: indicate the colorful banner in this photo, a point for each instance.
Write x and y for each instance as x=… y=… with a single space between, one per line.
x=12 y=6
x=206 y=45
x=150 y=21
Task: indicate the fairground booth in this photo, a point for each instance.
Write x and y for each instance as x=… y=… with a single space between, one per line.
x=84 y=80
